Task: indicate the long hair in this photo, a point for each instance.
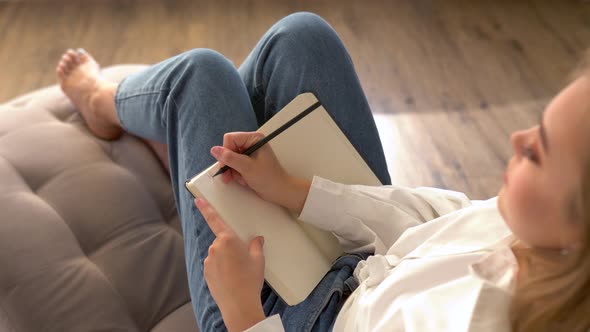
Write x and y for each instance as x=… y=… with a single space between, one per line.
x=557 y=295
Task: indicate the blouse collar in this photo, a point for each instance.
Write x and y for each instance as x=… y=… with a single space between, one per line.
x=499 y=267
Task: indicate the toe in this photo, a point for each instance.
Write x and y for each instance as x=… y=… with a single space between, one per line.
x=65 y=69
x=86 y=57
x=83 y=58
x=70 y=52
x=82 y=55
x=60 y=72
x=70 y=62
x=73 y=56
x=65 y=60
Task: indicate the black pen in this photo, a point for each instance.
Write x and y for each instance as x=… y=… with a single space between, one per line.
x=272 y=135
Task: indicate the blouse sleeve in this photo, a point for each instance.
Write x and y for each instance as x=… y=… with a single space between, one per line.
x=371 y=219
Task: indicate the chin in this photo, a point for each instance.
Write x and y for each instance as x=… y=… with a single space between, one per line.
x=502 y=208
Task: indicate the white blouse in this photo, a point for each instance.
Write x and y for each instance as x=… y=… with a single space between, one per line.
x=442 y=262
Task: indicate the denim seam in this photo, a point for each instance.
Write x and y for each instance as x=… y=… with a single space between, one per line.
x=120 y=99
x=351 y=283
x=118 y=105
x=138 y=94
x=270 y=107
x=257 y=98
x=175 y=107
x=258 y=93
x=258 y=75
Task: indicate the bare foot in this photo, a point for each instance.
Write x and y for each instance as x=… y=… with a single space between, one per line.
x=92 y=95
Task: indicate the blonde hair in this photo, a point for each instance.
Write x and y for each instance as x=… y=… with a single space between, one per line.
x=557 y=295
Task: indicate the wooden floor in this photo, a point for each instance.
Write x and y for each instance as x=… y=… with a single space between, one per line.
x=448 y=81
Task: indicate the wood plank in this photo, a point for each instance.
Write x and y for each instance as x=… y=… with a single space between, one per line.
x=448 y=81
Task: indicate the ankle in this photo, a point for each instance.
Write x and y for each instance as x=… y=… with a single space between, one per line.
x=103 y=101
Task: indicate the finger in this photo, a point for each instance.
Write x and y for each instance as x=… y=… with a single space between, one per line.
x=241 y=141
x=213 y=220
x=239 y=179
x=207 y=269
x=226 y=176
x=255 y=247
x=234 y=175
x=237 y=161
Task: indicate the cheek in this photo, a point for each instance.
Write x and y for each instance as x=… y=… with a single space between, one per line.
x=528 y=209
x=523 y=199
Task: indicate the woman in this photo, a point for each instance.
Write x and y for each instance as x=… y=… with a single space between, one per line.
x=421 y=259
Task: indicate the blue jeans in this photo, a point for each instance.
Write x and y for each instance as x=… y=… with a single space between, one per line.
x=189 y=101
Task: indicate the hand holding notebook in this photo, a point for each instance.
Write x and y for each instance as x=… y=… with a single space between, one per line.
x=234 y=272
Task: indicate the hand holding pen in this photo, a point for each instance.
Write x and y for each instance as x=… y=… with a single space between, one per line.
x=260 y=171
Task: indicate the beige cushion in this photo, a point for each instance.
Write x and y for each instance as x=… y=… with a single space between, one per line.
x=89 y=235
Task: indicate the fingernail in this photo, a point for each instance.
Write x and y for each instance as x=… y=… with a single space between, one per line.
x=216 y=151
x=200 y=201
x=262 y=240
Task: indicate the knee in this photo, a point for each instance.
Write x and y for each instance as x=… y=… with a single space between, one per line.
x=307 y=29
x=204 y=62
x=203 y=71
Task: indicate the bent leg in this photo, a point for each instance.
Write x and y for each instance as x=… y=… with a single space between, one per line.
x=188 y=102
x=302 y=53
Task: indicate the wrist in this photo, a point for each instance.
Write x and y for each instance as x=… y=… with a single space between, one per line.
x=296 y=193
x=240 y=317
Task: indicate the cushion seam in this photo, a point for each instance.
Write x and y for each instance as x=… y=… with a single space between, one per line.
x=19 y=173
x=170 y=312
x=7 y=318
x=115 y=290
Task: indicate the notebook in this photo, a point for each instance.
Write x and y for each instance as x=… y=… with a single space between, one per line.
x=297 y=255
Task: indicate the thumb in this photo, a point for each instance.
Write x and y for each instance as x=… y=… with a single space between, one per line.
x=255 y=247
x=235 y=160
